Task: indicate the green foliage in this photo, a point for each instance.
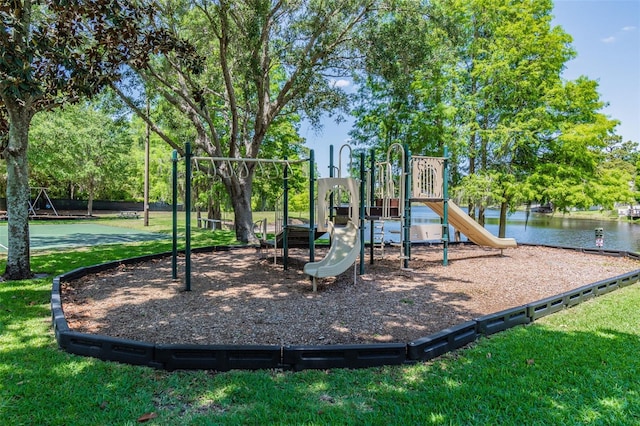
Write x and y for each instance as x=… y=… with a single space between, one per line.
x=281 y=141
x=160 y=165
x=574 y=170
x=483 y=78
x=54 y=53
x=82 y=151
x=480 y=189
x=261 y=66
x=400 y=99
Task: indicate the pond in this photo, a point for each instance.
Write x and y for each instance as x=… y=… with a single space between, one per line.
x=558 y=230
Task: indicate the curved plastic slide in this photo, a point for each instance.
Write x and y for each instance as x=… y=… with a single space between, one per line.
x=344 y=250
x=469 y=227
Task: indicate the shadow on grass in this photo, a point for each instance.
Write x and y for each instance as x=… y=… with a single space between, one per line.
x=556 y=378
x=19 y=301
x=532 y=375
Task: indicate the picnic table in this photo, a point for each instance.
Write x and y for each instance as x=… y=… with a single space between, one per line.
x=127 y=214
x=209 y=223
x=214 y=223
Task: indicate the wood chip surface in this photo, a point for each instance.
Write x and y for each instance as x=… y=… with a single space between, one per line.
x=241 y=297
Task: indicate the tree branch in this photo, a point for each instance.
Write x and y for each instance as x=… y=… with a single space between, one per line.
x=143 y=115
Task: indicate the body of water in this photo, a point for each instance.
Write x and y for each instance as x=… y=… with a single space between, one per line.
x=558 y=230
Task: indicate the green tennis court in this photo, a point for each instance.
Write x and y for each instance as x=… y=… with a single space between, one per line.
x=79 y=234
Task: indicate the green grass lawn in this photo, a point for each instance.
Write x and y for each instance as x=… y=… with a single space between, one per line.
x=577 y=367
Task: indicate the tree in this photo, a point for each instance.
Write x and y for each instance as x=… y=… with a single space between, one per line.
x=81 y=149
x=281 y=141
x=574 y=168
x=159 y=165
x=402 y=83
x=259 y=60
x=624 y=157
x=495 y=94
x=53 y=53
x=512 y=58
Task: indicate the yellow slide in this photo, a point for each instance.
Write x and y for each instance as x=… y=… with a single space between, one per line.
x=469 y=227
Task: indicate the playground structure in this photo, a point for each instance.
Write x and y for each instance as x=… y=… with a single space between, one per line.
x=40 y=206
x=224 y=357
x=383 y=193
x=41 y=193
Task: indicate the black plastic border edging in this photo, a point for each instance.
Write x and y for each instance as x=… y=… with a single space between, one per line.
x=503 y=320
x=217 y=357
x=343 y=356
x=107 y=348
x=253 y=357
x=547 y=306
x=442 y=342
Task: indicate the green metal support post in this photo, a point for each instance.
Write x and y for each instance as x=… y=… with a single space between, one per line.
x=445 y=208
x=372 y=202
x=363 y=200
x=285 y=213
x=312 y=206
x=187 y=223
x=331 y=174
x=174 y=209
x=407 y=206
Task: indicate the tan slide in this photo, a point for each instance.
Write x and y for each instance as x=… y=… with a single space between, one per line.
x=469 y=227
x=344 y=250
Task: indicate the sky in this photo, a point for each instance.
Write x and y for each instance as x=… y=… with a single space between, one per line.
x=606 y=37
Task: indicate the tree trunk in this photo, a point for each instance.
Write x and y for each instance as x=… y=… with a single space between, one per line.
x=502 y=228
x=196 y=196
x=213 y=210
x=90 y=201
x=240 y=190
x=18 y=195
x=90 y=206
x=471 y=208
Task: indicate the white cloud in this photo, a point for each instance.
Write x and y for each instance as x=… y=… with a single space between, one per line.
x=614 y=38
x=341 y=83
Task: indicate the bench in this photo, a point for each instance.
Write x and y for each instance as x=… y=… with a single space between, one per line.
x=209 y=223
x=128 y=215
